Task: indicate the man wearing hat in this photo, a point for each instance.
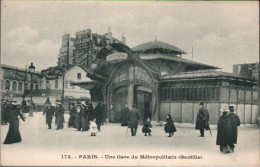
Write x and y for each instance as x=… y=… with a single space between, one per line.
x=49 y=112
x=133 y=118
x=221 y=131
x=202 y=121
x=233 y=123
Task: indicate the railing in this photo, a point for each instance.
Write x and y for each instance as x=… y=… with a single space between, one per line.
x=43 y=92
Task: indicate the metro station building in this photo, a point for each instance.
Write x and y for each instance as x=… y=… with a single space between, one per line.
x=156 y=78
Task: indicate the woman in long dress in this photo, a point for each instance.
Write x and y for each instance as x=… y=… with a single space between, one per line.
x=59 y=116
x=169 y=126
x=13 y=135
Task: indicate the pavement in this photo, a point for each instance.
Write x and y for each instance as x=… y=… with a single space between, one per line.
x=114 y=146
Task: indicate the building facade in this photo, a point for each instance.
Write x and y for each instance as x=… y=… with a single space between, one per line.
x=15 y=82
x=156 y=78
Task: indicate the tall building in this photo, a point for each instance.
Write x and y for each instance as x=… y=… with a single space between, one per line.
x=66 y=51
x=84 y=47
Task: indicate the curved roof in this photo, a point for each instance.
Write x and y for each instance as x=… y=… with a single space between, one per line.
x=158 y=45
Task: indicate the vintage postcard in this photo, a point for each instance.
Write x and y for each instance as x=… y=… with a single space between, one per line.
x=129 y=83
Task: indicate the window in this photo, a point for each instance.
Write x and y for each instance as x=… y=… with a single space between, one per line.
x=36 y=87
x=47 y=84
x=56 y=83
x=79 y=75
x=7 y=85
x=2 y=84
x=26 y=86
x=14 y=88
x=20 y=86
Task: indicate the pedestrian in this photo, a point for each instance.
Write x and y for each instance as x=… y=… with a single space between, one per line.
x=93 y=127
x=133 y=118
x=91 y=112
x=99 y=111
x=13 y=135
x=59 y=116
x=4 y=111
x=124 y=115
x=72 y=112
x=202 y=121
x=146 y=127
x=169 y=127
x=112 y=114
x=222 y=140
x=49 y=113
x=84 y=117
x=78 y=114
x=233 y=122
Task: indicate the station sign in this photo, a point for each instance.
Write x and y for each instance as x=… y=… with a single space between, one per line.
x=117 y=56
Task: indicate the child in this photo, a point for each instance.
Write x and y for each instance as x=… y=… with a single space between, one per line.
x=146 y=128
x=169 y=126
x=93 y=127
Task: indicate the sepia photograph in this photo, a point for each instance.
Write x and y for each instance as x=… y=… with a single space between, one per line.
x=148 y=83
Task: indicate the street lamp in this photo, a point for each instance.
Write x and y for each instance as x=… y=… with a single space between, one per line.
x=31 y=70
x=63 y=70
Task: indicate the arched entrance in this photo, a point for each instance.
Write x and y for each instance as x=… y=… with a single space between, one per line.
x=144 y=102
x=131 y=84
x=119 y=99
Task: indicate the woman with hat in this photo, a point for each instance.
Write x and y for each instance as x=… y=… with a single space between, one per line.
x=78 y=114
x=13 y=135
x=72 y=110
x=59 y=116
x=84 y=117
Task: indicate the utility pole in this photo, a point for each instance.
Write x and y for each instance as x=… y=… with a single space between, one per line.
x=192 y=52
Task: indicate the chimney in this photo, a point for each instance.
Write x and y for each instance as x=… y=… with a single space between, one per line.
x=124 y=39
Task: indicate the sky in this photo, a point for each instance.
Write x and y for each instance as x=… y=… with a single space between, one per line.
x=220 y=33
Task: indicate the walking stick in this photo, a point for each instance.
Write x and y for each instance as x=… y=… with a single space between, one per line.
x=126 y=130
x=210 y=131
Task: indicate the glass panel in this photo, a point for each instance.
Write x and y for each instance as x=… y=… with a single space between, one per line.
x=241 y=96
x=248 y=97
x=7 y=85
x=20 y=87
x=14 y=88
x=2 y=84
x=233 y=96
x=172 y=95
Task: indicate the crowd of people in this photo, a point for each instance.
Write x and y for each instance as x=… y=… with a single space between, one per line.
x=84 y=117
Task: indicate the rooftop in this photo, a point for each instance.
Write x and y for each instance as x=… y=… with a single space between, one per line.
x=204 y=74
x=157 y=45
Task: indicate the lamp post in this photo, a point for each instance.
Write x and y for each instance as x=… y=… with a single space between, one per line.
x=31 y=70
x=63 y=84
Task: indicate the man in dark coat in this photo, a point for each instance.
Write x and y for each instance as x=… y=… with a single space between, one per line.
x=49 y=114
x=99 y=111
x=133 y=118
x=221 y=130
x=124 y=115
x=202 y=121
x=232 y=124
